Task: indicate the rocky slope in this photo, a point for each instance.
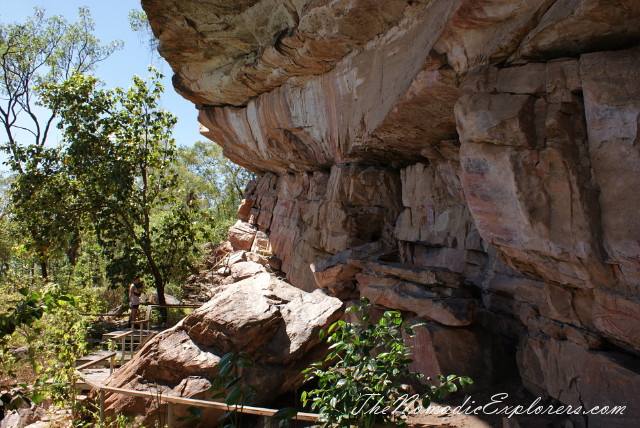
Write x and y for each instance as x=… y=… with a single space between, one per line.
x=474 y=163
x=252 y=311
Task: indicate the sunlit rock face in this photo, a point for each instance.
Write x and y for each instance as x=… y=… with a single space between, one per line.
x=276 y=323
x=472 y=163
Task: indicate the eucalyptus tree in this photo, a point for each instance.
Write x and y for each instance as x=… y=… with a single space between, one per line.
x=39 y=52
x=120 y=152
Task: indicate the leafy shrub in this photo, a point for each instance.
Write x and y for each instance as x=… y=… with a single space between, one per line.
x=367 y=366
x=47 y=321
x=230 y=386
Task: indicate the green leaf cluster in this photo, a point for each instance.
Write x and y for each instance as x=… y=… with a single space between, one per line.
x=120 y=153
x=61 y=335
x=361 y=380
x=217 y=183
x=39 y=52
x=230 y=386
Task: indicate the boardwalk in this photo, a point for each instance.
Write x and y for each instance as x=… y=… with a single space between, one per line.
x=94 y=369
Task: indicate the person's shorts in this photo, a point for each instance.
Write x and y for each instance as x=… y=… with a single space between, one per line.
x=133 y=306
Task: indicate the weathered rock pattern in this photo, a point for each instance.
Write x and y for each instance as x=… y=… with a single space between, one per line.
x=610 y=85
x=275 y=322
x=581 y=378
x=474 y=163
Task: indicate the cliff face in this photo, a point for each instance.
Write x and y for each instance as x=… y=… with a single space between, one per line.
x=475 y=163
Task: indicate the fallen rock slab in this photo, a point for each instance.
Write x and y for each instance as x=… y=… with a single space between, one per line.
x=241 y=235
x=244 y=270
x=427 y=276
x=335 y=272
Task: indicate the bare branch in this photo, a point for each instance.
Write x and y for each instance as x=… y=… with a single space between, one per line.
x=42 y=50
x=48 y=125
x=24 y=129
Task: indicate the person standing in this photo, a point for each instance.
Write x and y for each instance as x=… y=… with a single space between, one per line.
x=135 y=291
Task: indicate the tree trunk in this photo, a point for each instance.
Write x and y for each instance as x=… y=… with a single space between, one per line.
x=159 y=282
x=43 y=269
x=72 y=250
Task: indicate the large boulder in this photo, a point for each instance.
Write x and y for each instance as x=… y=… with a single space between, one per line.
x=275 y=322
x=24 y=416
x=241 y=236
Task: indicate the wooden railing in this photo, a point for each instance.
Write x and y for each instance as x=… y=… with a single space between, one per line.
x=170 y=400
x=122 y=337
x=91 y=363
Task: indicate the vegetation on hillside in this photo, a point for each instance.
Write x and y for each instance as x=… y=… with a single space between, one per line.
x=79 y=220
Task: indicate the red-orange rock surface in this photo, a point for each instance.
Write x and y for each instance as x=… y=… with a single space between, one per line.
x=494 y=141
x=274 y=322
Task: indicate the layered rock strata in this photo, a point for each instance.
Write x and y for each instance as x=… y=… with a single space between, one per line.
x=473 y=163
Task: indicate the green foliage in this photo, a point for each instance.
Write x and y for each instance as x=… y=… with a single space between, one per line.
x=230 y=386
x=92 y=420
x=194 y=413
x=89 y=270
x=7 y=227
x=42 y=51
x=368 y=363
x=216 y=182
x=176 y=233
x=48 y=321
x=120 y=421
x=140 y=24
x=216 y=177
x=115 y=200
x=44 y=207
x=31 y=308
x=65 y=333
x=283 y=417
x=120 y=152
x=118 y=174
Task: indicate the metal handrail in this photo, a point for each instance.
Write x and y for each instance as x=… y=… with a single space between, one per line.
x=250 y=410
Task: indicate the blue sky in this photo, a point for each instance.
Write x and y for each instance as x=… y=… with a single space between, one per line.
x=111 y=20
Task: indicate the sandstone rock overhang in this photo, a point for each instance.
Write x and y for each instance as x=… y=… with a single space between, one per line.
x=494 y=140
